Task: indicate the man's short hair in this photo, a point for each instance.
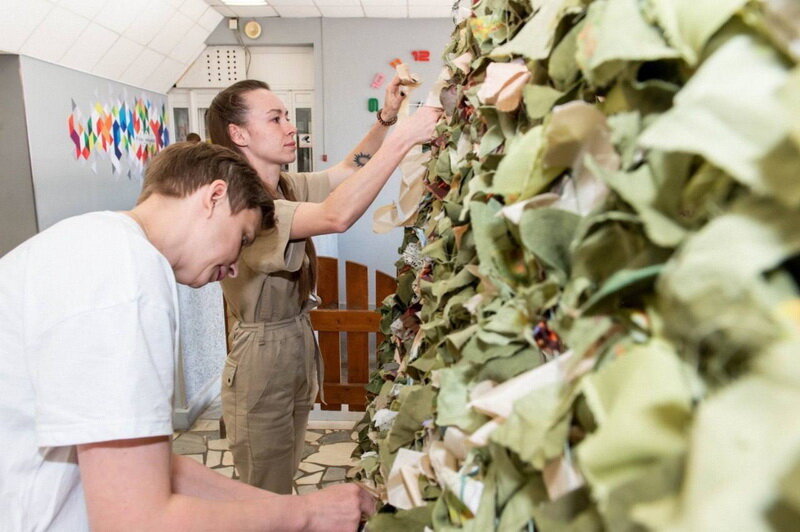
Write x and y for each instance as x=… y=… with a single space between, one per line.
x=182 y=168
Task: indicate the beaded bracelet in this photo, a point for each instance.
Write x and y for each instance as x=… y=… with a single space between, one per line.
x=386 y=123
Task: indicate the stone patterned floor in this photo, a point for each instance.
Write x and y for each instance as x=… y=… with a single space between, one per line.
x=326 y=457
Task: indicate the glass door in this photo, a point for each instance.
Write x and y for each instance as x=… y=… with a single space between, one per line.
x=305 y=141
x=181 y=116
x=202 y=124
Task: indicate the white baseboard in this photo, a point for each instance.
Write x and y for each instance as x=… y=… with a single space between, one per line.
x=182 y=418
x=317 y=414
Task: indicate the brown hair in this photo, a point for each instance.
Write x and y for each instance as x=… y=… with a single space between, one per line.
x=184 y=167
x=229 y=107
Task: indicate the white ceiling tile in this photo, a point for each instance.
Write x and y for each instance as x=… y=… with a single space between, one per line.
x=278 y=3
x=57 y=32
x=210 y=19
x=117 y=59
x=15 y=30
x=149 y=22
x=341 y=11
x=171 y=34
x=165 y=75
x=92 y=44
x=386 y=11
x=429 y=11
x=190 y=45
x=194 y=9
x=224 y=11
x=254 y=12
x=86 y=8
x=141 y=67
x=117 y=15
x=176 y=3
x=297 y=11
x=372 y=3
x=442 y=3
x=338 y=3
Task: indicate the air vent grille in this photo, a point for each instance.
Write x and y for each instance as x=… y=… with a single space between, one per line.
x=217 y=66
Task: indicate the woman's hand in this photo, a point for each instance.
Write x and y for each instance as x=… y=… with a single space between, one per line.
x=393 y=101
x=419 y=127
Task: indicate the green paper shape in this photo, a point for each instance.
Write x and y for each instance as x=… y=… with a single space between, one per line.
x=689 y=24
x=642 y=402
x=734 y=117
x=604 y=50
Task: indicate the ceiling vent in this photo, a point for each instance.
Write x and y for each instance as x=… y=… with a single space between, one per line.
x=217 y=67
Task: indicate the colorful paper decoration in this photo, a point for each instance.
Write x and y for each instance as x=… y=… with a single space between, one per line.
x=128 y=133
x=378 y=80
x=395 y=62
x=372 y=105
x=421 y=55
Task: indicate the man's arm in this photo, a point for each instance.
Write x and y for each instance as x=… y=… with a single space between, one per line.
x=196 y=480
x=372 y=141
x=128 y=486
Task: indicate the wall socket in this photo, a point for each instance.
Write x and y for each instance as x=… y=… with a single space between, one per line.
x=233 y=23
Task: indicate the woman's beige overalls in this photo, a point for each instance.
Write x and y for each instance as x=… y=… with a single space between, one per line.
x=272 y=373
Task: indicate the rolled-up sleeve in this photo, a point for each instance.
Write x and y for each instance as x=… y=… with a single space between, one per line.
x=273 y=251
x=312 y=186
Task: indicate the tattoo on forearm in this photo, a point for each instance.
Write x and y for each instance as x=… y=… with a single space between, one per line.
x=361 y=159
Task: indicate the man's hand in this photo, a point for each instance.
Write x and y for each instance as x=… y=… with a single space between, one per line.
x=394 y=98
x=128 y=486
x=338 y=508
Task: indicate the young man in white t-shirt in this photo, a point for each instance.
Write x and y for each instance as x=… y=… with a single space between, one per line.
x=88 y=329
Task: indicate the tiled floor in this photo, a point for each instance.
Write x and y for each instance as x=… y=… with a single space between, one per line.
x=326 y=457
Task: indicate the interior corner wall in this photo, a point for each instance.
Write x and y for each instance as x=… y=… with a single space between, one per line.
x=65 y=185
x=355 y=49
x=17 y=205
x=348 y=52
x=291 y=32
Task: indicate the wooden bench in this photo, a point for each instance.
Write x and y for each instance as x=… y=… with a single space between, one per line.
x=345 y=379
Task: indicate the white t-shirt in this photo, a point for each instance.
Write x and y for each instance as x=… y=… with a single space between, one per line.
x=88 y=332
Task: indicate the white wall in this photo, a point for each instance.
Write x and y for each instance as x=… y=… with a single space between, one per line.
x=64 y=186
x=17 y=207
x=354 y=51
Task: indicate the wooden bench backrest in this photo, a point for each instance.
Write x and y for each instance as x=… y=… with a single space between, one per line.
x=356 y=321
